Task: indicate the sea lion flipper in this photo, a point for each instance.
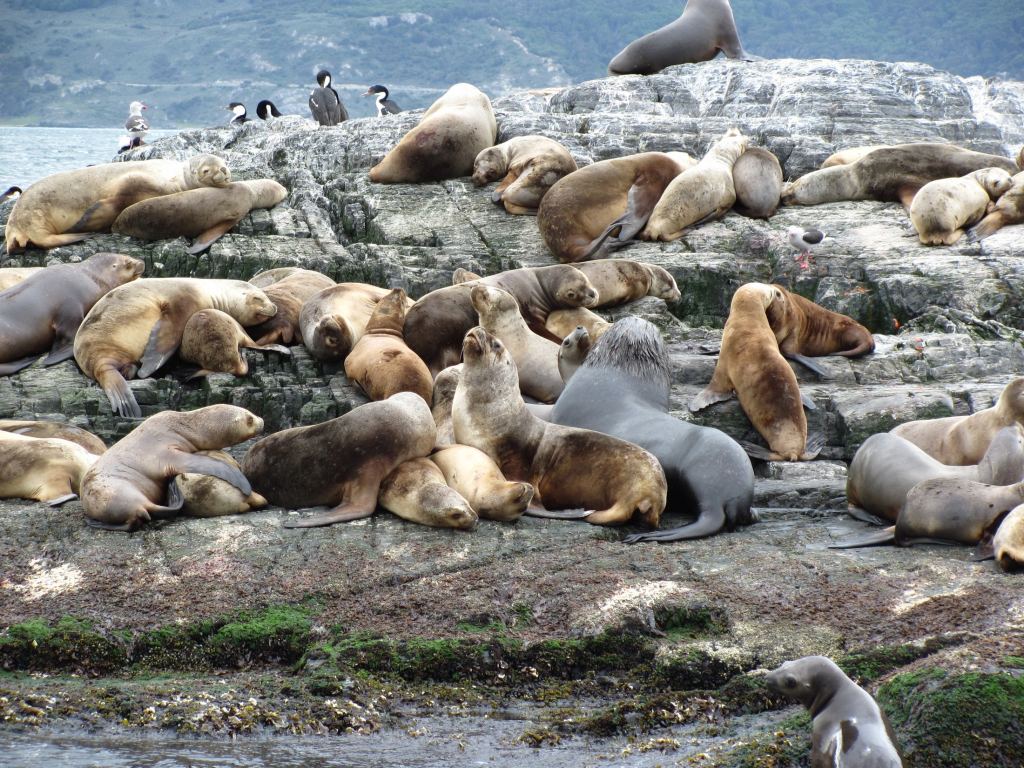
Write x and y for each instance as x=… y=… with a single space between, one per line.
x=210 y=236
x=175 y=502
x=120 y=395
x=709 y=523
x=813 y=446
x=279 y=348
x=810 y=365
x=985 y=549
x=164 y=340
x=808 y=402
x=208 y=465
x=62 y=499
x=59 y=354
x=859 y=513
x=640 y=202
x=6 y=369
x=345 y=512
x=755 y=451
x=874 y=539
x=709 y=397
x=536 y=509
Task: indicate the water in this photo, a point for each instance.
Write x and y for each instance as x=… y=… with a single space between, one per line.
x=29 y=154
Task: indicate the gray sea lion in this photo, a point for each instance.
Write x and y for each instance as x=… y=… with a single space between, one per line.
x=289 y=292
x=478 y=479
x=529 y=165
x=42 y=468
x=1007 y=210
x=66 y=207
x=13 y=275
x=214 y=341
x=704 y=28
x=757 y=179
x=333 y=320
x=416 y=491
x=44 y=311
x=573 y=351
x=57 y=429
x=943 y=208
x=443 y=145
x=209 y=496
x=441 y=406
x=849 y=730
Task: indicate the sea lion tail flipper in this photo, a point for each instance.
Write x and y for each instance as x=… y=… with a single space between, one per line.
x=122 y=399
x=345 y=512
x=985 y=549
x=6 y=369
x=810 y=365
x=537 y=509
x=105 y=526
x=61 y=499
x=175 y=502
x=874 y=539
x=163 y=342
x=709 y=349
x=210 y=236
x=710 y=522
x=208 y=465
x=709 y=397
x=813 y=446
x=859 y=513
x=279 y=348
x=59 y=354
x=808 y=402
x=986 y=227
x=755 y=451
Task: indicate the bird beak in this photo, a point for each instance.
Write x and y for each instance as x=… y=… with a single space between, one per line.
x=368 y=92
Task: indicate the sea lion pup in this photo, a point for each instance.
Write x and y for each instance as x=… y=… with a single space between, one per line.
x=437 y=323
x=848 y=729
x=889 y=174
x=568 y=467
x=699 y=194
x=562 y=322
x=959 y=440
x=66 y=207
x=886 y=467
x=13 y=275
x=136 y=328
x=1007 y=210
x=1008 y=543
x=618 y=281
x=604 y=206
x=381 y=362
x=943 y=208
x=850 y=155
x=201 y=214
x=443 y=145
x=42 y=468
x=622 y=389
x=334 y=319
x=45 y=310
x=529 y=165
x=341 y=462
x=704 y=28
x=128 y=485
x=757 y=178
x=751 y=367
x=288 y=292
x=416 y=491
x=535 y=357
x=55 y=429
x=573 y=351
x=214 y=341
x=477 y=478
x=208 y=496
x=441 y=406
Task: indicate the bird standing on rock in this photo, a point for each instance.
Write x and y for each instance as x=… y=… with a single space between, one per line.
x=239 y=113
x=805 y=241
x=266 y=110
x=324 y=102
x=385 y=106
x=136 y=125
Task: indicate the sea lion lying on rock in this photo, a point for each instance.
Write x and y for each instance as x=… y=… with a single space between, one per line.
x=529 y=165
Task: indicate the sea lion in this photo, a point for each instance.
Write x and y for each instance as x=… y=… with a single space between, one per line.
x=57 y=429
x=573 y=351
x=203 y=214
x=889 y=174
x=757 y=179
x=887 y=466
x=562 y=322
x=136 y=328
x=959 y=440
x=849 y=729
x=1008 y=543
x=214 y=341
x=209 y=496
x=604 y=206
x=381 y=362
x=13 y=275
x=416 y=491
x=341 y=462
x=536 y=358
x=478 y=479
x=42 y=468
x=568 y=467
x=699 y=194
x=622 y=389
x=128 y=485
x=751 y=366
x=293 y=288
x=1007 y=210
x=437 y=323
x=443 y=145
x=850 y=155
x=618 y=281
x=943 y=208
x=66 y=207
x=441 y=406
x=334 y=319
x=704 y=28
x=44 y=311
x=529 y=165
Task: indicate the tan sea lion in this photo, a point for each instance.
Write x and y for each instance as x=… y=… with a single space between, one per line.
x=943 y=208
x=341 y=462
x=889 y=174
x=959 y=440
x=13 y=275
x=477 y=478
x=42 y=468
x=127 y=486
x=441 y=406
x=443 y=145
x=850 y=155
x=1007 y=210
x=568 y=467
x=704 y=28
x=288 y=292
x=562 y=322
x=1008 y=543
x=416 y=491
x=65 y=207
x=57 y=429
x=618 y=281
x=209 y=496
x=334 y=319
x=44 y=311
x=214 y=341
x=604 y=206
x=381 y=362
x=136 y=328
x=699 y=194
x=751 y=367
x=529 y=165
x=757 y=178
x=573 y=351
x=203 y=214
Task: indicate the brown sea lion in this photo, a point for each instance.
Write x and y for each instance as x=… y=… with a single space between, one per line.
x=850 y=155
x=381 y=362
x=341 y=462
x=128 y=485
x=757 y=178
x=441 y=406
x=136 y=328
x=568 y=467
x=42 y=468
x=443 y=145
x=618 y=281
x=562 y=322
x=203 y=214
x=44 y=311
x=604 y=206
x=477 y=478
x=288 y=292
x=960 y=440
x=1008 y=543
x=209 y=496
x=573 y=352
x=529 y=165
x=943 y=208
x=214 y=341
x=57 y=429
x=1007 y=210
x=66 y=207
x=416 y=491
x=334 y=319
x=13 y=275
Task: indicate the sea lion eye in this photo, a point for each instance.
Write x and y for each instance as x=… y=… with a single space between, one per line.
x=790 y=681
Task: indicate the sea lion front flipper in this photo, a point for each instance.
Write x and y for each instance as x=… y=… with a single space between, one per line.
x=709 y=397
x=345 y=512
x=640 y=202
x=874 y=539
x=164 y=341
x=175 y=502
x=61 y=499
x=210 y=236
x=6 y=369
x=810 y=365
x=859 y=513
x=207 y=465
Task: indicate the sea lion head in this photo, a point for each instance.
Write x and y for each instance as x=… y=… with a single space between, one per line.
x=449 y=508
x=1012 y=399
x=210 y=340
x=633 y=346
x=801 y=679
x=766 y=295
x=995 y=181
x=114 y=269
x=489 y=166
x=574 y=288
x=218 y=426
x=331 y=339
x=390 y=312
x=489 y=300
x=484 y=353
x=663 y=285
x=209 y=171
x=266 y=193
x=445 y=384
x=578 y=340
x=1008 y=542
x=250 y=305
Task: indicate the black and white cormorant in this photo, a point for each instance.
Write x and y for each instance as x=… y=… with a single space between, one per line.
x=266 y=110
x=324 y=102
x=239 y=115
x=136 y=125
x=385 y=106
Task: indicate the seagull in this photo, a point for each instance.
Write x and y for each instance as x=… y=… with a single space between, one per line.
x=325 y=103
x=805 y=241
x=385 y=106
x=136 y=125
x=266 y=110
x=239 y=114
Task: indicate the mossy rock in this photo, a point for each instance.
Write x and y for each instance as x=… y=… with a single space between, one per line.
x=69 y=644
